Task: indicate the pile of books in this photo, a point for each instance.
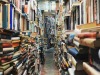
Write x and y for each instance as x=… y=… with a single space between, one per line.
x=9 y=45
x=18 y=53
x=91 y=40
x=81 y=56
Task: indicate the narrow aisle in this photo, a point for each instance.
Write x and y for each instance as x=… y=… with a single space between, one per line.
x=49 y=67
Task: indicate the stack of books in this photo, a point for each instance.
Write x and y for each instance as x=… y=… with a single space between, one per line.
x=91 y=40
x=7 y=49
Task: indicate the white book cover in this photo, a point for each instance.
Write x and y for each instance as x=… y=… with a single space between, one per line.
x=12 y=18
x=28 y=9
x=91 y=10
x=15 y=38
x=71 y=71
x=84 y=11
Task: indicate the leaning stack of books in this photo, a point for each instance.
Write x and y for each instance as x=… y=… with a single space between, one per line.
x=22 y=63
x=91 y=40
x=76 y=55
x=7 y=49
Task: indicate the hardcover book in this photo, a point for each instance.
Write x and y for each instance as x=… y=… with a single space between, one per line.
x=89 y=42
x=90 y=70
x=5 y=16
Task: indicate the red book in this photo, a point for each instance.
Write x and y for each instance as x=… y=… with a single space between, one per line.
x=6 y=58
x=89 y=35
x=6 y=45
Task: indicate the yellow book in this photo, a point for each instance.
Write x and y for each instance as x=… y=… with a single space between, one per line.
x=15 y=41
x=8 y=16
x=1 y=17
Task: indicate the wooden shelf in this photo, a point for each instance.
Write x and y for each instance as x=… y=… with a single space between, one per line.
x=88 y=25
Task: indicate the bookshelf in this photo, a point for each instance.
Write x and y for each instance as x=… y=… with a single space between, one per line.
x=20 y=32
x=81 y=19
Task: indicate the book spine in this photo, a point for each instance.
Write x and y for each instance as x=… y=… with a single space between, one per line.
x=6 y=57
x=90 y=70
x=77 y=39
x=5 y=16
x=11 y=16
x=87 y=35
x=4 y=36
x=73 y=52
x=8 y=70
x=87 y=42
x=8 y=16
x=1 y=7
x=8 y=49
x=6 y=45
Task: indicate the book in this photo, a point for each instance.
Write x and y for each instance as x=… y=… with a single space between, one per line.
x=5 y=36
x=16 y=41
x=5 y=16
x=26 y=7
x=82 y=50
x=77 y=39
x=15 y=38
x=4 y=45
x=89 y=35
x=71 y=71
x=95 y=63
x=7 y=54
x=89 y=42
x=8 y=70
x=1 y=13
x=5 y=67
x=80 y=72
x=8 y=49
x=92 y=29
x=6 y=57
x=11 y=15
x=17 y=53
x=80 y=46
x=77 y=64
x=15 y=44
x=90 y=70
x=73 y=52
x=5 y=61
x=8 y=16
x=5 y=41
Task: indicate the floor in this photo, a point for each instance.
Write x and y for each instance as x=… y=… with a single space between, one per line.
x=49 y=67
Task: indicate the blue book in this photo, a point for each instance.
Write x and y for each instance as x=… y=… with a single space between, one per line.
x=73 y=52
x=4 y=36
x=15 y=57
x=11 y=16
x=71 y=35
x=18 y=63
x=5 y=16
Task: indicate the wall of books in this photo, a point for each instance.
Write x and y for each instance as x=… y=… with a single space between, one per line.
x=77 y=49
x=20 y=27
